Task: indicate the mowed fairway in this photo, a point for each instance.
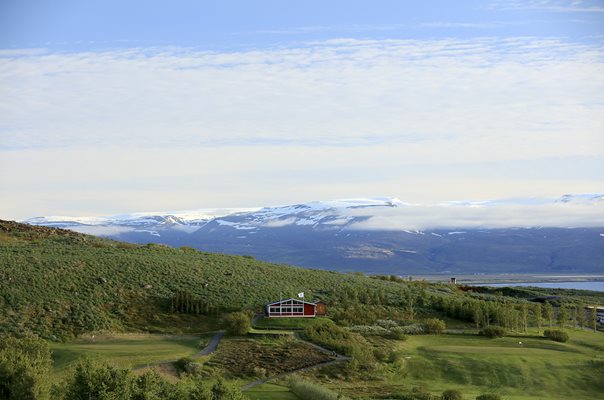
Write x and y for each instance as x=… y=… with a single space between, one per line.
x=536 y=369
x=271 y=391
x=517 y=367
x=124 y=350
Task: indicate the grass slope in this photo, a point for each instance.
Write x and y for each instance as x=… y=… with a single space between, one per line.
x=59 y=283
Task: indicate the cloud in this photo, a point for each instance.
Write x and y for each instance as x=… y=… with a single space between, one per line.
x=464 y=217
x=179 y=128
x=339 y=92
x=580 y=6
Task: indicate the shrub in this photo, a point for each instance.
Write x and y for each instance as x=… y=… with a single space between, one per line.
x=412 y=329
x=237 y=323
x=493 y=332
x=370 y=330
x=434 y=325
x=556 y=335
x=488 y=396
x=93 y=380
x=24 y=368
x=451 y=394
x=183 y=364
x=386 y=323
x=397 y=333
x=310 y=391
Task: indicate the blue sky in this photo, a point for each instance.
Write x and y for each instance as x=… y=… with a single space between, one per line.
x=109 y=107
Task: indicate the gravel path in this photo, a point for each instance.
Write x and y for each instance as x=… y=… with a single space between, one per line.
x=211 y=347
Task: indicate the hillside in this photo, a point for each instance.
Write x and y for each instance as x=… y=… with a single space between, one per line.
x=56 y=282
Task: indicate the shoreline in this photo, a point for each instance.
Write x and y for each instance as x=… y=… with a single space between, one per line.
x=510 y=278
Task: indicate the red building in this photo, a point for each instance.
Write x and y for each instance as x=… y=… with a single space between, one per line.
x=293 y=308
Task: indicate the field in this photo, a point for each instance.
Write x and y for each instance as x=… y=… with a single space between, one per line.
x=271 y=391
x=536 y=369
x=128 y=351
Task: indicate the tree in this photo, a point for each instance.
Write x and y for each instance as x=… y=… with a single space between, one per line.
x=25 y=366
x=525 y=313
x=581 y=315
x=562 y=316
x=594 y=317
x=537 y=314
x=222 y=391
x=548 y=313
x=151 y=386
x=434 y=325
x=95 y=380
x=237 y=323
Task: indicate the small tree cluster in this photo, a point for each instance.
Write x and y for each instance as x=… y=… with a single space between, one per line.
x=556 y=335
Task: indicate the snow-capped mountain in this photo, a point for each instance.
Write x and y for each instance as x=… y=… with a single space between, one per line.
x=383 y=234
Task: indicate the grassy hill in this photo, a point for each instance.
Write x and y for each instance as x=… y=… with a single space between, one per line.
x=58 y=284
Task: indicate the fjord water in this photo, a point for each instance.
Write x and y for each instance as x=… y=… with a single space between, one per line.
x=590 y=285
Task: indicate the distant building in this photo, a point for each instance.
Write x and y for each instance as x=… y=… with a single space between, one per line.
x=295 y=308
x=453 y=281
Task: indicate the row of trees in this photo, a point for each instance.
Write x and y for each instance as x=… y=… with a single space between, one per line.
x=185 y=302
x=515 y=316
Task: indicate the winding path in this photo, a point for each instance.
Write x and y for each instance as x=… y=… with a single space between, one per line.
x=212 y=345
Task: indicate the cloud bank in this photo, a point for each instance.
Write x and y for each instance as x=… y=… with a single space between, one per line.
x=166 y=128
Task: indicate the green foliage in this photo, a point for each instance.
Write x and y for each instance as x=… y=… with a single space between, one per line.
x=434 y=325
x=60 y=284
x=310 y=391
x=488 y=396
x=451 y=394
x=183 y=364
x=556 y=335
x=238 y=323
x=223 y=391
x=24 y=368
x=95 y=380
x=493 y=332
x=151 y=386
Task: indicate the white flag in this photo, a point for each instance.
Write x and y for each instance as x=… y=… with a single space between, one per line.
x=301 y=295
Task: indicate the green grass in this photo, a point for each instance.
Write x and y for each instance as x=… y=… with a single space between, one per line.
x=285 y=323
x=536 y=369
x=123 y=350
x=271 y=391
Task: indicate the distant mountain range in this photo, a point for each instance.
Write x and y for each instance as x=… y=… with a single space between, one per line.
x=383 y=235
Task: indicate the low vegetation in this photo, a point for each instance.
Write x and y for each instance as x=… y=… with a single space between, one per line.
x=79 y=294
x=556 y=335
x=493 y=332
x=311 y=391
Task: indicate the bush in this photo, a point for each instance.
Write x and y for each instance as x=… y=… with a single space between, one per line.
x=237 y=323
x=93 y=380
x=310 y=391
x=183 y=364
x=451 y=394
x=434 y=325
x=25 y=366
x=493 y=332
x=488 y=396
x=397 y=333
x=556 y=335
x=412 y=329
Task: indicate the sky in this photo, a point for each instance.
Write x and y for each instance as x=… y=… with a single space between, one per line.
x=111 y=107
